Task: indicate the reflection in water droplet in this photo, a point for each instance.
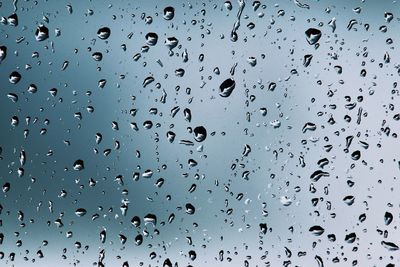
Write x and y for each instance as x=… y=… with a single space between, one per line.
x=78 y=165
x=80 y=212
x=313 y=35
x=317 y=230
x=41 y=33
x=150 y=219
x=14 y=77
x=3 y=53
x=103 y=33
x=169 y=13
x=151 y=38
x=226 y=88
x=189 y=209
x=200 y=133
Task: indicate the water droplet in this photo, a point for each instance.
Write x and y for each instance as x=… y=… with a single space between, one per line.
x=313 y=35
x=390 y=246
x=13 y=19
x=97 y=56
x=3 y=53
x=14 y=77
x=150 y=219
x=135 y=221
x=349 y=200
x=171 y=42
x=32 y=89
x=169 y=13
x=226 y=88
x=171 y=136
x=138 y=240
x=41 y=33
x=80 y=212
x=189 y=209
x=388 y=218
x=228 y=5
x=317 y=230
x=318 y=174
x=307 y=60
x=200 y=133
x=78 y=165
x=103 y=33
x=151 y=38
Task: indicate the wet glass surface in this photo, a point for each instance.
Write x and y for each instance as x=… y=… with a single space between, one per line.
x=199 y=133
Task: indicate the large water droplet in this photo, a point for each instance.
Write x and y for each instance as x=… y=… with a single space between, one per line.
x=14 y=77
x=226 y=87
x=103 y=33
x=317 y=230
x=151 y=38
x=313 y=35
x=169 y=13
x=200 y=133
x=80 y=212
x=41 y=33
x=78 y=165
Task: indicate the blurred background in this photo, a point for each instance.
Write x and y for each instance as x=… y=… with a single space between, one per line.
x=199 y=133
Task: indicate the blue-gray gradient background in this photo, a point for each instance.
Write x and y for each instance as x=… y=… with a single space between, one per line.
x=277 y=189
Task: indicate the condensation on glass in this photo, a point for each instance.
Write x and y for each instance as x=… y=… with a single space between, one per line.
x=199 y=133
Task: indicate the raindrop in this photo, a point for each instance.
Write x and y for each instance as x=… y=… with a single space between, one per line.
x=317 y=230
x=388 y=218
x=171 y=136
x=103 y=33
x=97 y=56
x=151 y=38
x=309 y=126
x=138 y=240
x=32 y=89
x=14 y=77
x=169 y=13
x=315 y=176
x=3 y=53
x=226 y=87
x=135 y=221
x=200 y=133
x=150 y=219
x=171 y=42
x=307 y=60
x=390 y=246
x=189 y=209
x=80 y=212
x=349 y=200
x=41 y=33
x=228 y=5
x=78 y=165
x=13 y=19
x=313 y=35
